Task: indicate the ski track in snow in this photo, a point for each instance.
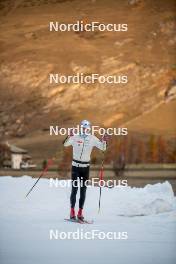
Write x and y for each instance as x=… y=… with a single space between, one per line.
x=148 y=215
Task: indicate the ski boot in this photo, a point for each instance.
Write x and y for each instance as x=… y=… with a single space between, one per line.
x=72 y=214
x=80 y=216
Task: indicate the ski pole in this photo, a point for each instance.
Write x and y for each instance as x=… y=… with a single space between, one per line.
x=49 y=163
x=101 y=173
x=101 y=178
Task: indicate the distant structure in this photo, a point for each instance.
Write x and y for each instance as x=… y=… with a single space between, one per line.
x=13 y=157
x=16 y=156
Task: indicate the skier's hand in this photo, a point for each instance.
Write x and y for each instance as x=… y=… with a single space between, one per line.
x=71 y=134
x=105 y=137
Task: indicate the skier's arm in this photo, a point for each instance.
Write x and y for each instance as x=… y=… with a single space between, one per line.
x=100 y=144
x=68 y=141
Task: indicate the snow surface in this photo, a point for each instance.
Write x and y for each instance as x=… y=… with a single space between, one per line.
x=147 y=214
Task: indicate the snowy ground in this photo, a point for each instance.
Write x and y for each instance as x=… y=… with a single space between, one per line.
x=147 y=214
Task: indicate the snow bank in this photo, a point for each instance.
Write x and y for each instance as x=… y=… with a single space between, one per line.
x=150 y=200
x=119 y=201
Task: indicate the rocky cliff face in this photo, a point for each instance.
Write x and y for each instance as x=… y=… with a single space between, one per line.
x=29 y=52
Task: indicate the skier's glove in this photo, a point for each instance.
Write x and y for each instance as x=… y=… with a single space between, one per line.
x=105 y=138
x=71 y=134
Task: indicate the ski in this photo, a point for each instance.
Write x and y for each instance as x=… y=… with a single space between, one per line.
x=72 y=220
x=78 y=221
x=86 y=222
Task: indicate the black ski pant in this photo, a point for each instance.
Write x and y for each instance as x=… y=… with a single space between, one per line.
x=79 y=176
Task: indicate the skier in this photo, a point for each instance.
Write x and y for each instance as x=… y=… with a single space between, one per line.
x=82 y=147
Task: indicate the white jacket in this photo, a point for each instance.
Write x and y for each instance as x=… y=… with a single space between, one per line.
x=82 y=148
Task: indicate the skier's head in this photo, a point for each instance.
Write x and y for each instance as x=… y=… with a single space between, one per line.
x=85 y=127
x=85 y=124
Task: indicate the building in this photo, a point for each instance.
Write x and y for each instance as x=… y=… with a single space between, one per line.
x=16 y=156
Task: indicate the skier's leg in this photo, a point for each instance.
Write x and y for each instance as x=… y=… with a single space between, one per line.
x=74 y=186
x=83 y=188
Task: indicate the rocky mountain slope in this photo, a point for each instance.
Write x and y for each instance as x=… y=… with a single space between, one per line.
x=29 y=52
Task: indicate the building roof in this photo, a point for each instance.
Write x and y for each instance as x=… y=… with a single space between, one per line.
x=17 y=150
